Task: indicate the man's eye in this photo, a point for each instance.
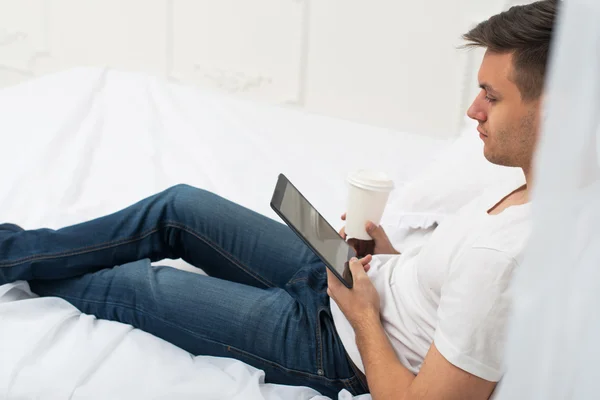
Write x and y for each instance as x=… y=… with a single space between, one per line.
x=490 y=99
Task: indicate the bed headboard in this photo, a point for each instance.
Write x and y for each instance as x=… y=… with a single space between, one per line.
x=387 y=62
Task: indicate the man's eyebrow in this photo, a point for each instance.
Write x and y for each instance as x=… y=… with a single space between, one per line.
x=488 y=88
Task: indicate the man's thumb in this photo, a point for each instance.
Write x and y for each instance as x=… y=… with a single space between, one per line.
x=356 y=268
x=373 y=230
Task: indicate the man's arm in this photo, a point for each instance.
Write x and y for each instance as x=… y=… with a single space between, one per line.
x=387 y=377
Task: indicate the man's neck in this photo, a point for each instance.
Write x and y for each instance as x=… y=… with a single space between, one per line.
x=517 y=197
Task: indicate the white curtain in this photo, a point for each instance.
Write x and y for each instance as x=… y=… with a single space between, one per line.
x=553 y=350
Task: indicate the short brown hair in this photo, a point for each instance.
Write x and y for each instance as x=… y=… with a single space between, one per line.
x=526 y=32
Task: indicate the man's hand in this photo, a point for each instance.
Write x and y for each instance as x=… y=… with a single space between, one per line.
x=360 y=304
x=382 y=242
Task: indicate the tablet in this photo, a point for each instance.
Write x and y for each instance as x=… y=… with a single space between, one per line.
x=313 y=229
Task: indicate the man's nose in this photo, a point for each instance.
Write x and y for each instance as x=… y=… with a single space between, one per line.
x=476 y=112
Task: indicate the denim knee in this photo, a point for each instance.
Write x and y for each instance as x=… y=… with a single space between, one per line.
x=181 y=189
x=182 y=201
x=10 y=228
x=185 y=192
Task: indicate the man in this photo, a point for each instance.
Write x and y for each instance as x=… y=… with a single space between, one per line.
x=426 y=324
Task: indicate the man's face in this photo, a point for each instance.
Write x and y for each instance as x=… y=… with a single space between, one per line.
x=508 y=125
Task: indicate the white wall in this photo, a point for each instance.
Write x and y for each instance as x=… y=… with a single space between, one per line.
x=391 y=63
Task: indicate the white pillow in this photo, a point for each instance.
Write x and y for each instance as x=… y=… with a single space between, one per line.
x=460 y=174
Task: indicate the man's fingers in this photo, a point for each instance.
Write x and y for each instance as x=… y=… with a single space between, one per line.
x=376 y=232
x=357 y=267
x=343 y=216
x=373 y=230
x=365 y=260
x=342 y=232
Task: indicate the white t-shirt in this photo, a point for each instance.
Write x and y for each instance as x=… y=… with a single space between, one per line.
x=452 y=291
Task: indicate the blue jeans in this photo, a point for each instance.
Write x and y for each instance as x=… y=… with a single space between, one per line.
x=264 y=301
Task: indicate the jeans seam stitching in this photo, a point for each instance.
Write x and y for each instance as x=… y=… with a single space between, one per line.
x=82 y=250
x=297 y=280
x=221 y=251
x=319 y=341
x=348 y=388
x=351 y=385
x=115 y=243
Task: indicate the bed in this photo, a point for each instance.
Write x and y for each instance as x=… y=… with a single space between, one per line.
x=85 y=142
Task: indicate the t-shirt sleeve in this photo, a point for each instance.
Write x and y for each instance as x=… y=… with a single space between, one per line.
x=473 y=312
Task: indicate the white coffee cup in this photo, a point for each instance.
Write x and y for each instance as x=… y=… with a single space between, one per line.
x=368 y=194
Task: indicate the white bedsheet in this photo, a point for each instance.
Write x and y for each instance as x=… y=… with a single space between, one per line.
x=86 y=142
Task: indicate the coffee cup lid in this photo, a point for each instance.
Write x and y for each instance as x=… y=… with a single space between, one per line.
x=371 y=180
